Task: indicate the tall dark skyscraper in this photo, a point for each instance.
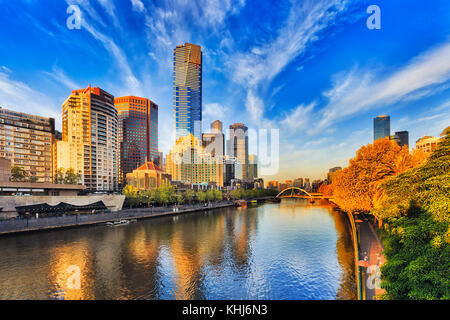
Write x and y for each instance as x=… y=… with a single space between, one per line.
x=402 y=138
x=138 y=133
x=187 y=90
x=381 y=127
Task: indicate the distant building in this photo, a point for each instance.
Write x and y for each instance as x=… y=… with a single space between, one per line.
x=214 y=142
x=188 y=162
x=427 y=144
x=5 y=169
x=273 y=185
x=27 y=141
x=298 y=183
x=137 y=133
x=307 y=184
x=381 y=127
x=237 y=147
x=148 y=176
x=402 y=138
x=187 y=89
x=89 y=139
x=252 y=167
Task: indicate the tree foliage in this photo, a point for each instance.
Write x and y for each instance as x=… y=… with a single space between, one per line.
x=18 y=174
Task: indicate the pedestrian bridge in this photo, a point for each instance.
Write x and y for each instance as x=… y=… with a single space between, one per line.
x=294 y=192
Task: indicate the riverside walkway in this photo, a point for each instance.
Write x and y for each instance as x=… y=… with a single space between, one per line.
x=69 y=221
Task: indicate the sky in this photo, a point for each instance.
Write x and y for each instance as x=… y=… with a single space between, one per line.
x=311 y=69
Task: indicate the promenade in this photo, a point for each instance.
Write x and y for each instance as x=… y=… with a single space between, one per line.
x=70 y=221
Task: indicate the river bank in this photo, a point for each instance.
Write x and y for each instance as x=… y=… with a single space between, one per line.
x=368 y=256
x=73 y=221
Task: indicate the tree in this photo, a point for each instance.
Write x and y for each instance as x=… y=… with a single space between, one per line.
x=179 y=198
x=71 y=177
x=59 y=176
x=132 y=195
x=201 y=196
x=18 y=174
x=357 y=188
x=189 y=195
x=416 y=209
x=218 y=195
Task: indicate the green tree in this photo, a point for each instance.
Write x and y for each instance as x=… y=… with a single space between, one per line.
x=71 y=177
x=59 y=176
x=18 y=174
x=201 y=196
x=416 y=209
x=218 y=195
x=189 y=195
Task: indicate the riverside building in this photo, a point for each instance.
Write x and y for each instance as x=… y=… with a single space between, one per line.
x=89 y=142
x=27 y=141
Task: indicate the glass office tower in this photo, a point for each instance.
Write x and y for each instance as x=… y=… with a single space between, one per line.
x=381 y=127
x=187 y=87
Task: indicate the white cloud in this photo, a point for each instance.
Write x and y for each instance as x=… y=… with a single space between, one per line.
x=18 y=96
x=61 y=77
x=355 y=92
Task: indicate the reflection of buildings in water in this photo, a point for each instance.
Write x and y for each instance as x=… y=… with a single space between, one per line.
x=345 y=254
x=64 y=264
x=108 y=262
x=188 y=263
x=242 y=228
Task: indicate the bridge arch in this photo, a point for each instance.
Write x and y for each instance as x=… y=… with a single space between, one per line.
x=292 y=193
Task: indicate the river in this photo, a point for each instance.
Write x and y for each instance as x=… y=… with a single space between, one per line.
x=290 y=250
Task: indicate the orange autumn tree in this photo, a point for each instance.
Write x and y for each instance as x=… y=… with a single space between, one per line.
x=357 y=188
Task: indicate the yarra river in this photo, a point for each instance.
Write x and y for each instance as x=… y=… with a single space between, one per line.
x=290 y=250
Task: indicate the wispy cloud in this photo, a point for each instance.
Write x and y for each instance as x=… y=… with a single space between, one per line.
x=61 y=77
x=355 y=92
x=257 y=68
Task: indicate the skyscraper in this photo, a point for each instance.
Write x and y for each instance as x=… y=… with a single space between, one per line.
x=137 y=134
x=89 y=138
x=27 y=141
x=187 y=90
x=238 y=148
x=381 y=127
x=214 y=142
x=402 y=138
x=252 y=167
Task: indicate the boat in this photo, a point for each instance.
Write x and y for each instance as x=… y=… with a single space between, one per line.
x=117 y=223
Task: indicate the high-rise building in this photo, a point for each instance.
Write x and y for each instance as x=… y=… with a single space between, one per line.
x=214 y=142
x=402 y=138
x=238 y=147
x=252 y=167
x=298 y=183
x=188 y=163
x=27 y=141
x=187 y=90
x=381 y=127
x=427 y=144
x=89 y=133
x=137 y=133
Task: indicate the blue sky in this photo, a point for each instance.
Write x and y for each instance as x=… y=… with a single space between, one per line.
x=312 y=69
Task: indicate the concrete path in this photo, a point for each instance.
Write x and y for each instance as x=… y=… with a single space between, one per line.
x=371 y=250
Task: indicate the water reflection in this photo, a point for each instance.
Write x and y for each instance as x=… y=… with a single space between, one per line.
x=291 y=250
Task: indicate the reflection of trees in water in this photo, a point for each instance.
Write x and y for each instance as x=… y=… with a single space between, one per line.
x=345 y=254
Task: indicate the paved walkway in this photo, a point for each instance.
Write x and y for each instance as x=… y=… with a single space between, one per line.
x=370 y=250
x=24 y=225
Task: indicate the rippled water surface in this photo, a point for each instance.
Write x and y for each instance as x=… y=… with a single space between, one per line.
x=290 y=250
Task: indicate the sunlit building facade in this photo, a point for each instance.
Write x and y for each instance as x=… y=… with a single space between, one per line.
x=137 y=133
x=188 y=162
x=89 y=132
x=427 y=144
x=148 y=176
x=187 y=90
x=27 y=141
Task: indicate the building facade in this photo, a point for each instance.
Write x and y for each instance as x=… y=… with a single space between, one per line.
x=402 y=138
x=90 y=134
x=252 y=167
x=381 y=127
x=27 y=141
x=427 y=144
x=237 y=147
x=187 y=90
x=188 y=163
x=137 y=133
